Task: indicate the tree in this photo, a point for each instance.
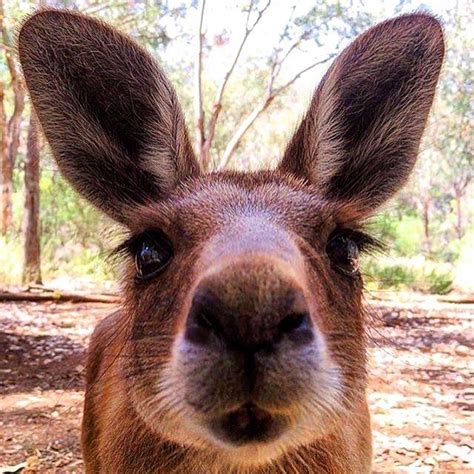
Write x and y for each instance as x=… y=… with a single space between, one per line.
x=31 y=224
x=9 y=129
x=313 y=26
x=243 y=79
x=455 y=142
x=451 y=134
x=5 y=185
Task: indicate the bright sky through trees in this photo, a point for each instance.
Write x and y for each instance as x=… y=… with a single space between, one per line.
x=224 y=23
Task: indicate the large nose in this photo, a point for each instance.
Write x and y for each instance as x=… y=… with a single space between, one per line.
x=250 y=304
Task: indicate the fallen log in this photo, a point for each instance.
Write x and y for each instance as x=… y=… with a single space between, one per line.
x=458 y=299
x=58 y=295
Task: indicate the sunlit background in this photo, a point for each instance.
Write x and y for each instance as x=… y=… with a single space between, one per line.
x=272 y=53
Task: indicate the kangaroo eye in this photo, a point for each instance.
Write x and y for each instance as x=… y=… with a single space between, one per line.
x=344 y=253
x=153 y=253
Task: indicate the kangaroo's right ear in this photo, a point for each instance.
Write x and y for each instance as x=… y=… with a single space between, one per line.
x=109 y=113
x=359 y=139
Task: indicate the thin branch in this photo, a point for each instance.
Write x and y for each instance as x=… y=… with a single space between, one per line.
x=240 y=132
x=259 y=14
x=94 y=9
x=278 y=63
x=6 y=48
x=248 y=31
x=259 y=109
x=198 y=106
x=249 y=12
x=303 y=71
x=291 y=49
x=283 y=34
x=217 y=106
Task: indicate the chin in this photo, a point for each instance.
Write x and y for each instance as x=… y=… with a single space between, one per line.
x=246 y=435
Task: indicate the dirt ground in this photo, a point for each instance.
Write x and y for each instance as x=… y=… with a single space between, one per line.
x=421 y=393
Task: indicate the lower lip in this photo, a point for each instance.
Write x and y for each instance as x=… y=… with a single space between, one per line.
x=248 y=424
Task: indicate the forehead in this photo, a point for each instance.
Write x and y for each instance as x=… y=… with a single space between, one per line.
x=228 y=200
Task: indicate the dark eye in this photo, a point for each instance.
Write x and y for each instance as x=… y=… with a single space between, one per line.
x=344 y=253
x=153 y=252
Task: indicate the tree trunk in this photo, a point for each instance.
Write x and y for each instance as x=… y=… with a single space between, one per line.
x=426 y=218
x=242 y=129
x=9 y=133
x=14 y=124
x=6 y=171
x=31 y=233
x=6 y=191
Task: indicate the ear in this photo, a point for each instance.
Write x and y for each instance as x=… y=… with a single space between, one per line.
x=109 y=113
x=359 y=139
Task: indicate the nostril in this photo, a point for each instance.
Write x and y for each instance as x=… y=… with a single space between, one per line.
x=205 y=320
x=297 y=327
x=292 y=322
x=213 y=322
x=200 y=326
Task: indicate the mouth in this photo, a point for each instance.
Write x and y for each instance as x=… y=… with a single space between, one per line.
x=248 y=424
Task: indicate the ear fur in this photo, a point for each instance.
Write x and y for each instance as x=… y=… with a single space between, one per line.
x=108 y=111
x=359 y=139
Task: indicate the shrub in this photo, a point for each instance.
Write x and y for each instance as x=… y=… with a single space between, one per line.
x=402 y=273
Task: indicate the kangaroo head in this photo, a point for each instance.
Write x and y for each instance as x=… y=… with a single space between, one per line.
x=243 y=316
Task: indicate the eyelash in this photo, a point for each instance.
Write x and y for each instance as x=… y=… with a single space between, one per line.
x=131 y=245
x=365 y=242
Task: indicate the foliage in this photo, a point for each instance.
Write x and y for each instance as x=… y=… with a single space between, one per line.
x=428 y=228
x=75 y=238
x=415 y=273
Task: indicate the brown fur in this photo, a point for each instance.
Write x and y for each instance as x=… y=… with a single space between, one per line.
x=73 y=65
x=256 y=242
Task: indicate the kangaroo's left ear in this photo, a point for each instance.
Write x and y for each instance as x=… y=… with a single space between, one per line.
x=359 y=139
x=110 y=114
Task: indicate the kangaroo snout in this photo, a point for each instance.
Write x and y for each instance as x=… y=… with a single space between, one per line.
x=250 y=305
x=248 y=343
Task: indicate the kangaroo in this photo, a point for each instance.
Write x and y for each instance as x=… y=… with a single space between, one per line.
x=239 y=345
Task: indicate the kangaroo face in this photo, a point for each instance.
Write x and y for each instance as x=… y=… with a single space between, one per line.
x=250 y=339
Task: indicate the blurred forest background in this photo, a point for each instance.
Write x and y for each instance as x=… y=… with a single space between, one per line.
x=244 y=71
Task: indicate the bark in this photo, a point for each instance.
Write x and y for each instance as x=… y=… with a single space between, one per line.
x=31 y=230
x=14 y=123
